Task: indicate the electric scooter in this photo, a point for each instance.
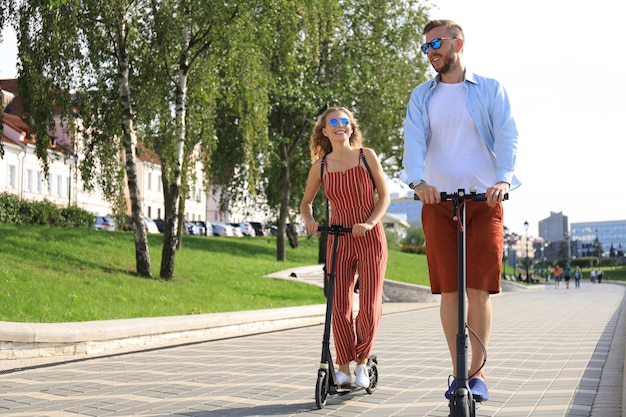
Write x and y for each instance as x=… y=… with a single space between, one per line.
x=462 y=403
x=326 y=375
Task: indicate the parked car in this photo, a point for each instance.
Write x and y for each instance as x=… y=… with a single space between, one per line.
x=297 y=228
x=191 y=228
x=150 y=225
x=223 y=230
x=104 y=223
x=160 y=225
x=259 y=229
x=245 y=227
x=203 y=227
x=236 y=229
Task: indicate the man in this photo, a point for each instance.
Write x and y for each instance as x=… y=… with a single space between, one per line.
x=459 y=133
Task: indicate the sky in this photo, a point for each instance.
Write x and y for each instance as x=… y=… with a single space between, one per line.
x=559 y=62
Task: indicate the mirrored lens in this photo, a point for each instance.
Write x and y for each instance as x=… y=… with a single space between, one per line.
x=335 y=122
x=435 y=44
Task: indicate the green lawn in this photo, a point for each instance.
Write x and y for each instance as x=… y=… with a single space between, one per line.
x=50 y=275
x=61 y=275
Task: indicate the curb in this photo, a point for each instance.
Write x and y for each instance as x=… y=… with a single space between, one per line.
x=44 y=341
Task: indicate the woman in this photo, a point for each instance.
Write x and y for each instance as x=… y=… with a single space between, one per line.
x=353 y=178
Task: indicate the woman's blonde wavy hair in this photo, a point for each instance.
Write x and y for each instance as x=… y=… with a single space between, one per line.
x=320 y=144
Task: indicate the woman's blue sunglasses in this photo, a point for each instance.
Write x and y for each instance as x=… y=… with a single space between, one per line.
x=435 y=44
x=335 y=122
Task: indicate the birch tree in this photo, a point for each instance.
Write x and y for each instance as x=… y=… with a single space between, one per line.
x=361 y=54
x=77 y=55
x=207 y=53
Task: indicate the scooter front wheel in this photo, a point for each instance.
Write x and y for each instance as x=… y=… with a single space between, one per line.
x=321 y=389
x=462 y=407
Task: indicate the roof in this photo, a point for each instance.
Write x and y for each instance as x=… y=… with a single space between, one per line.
x=390 y=218
x=15 y=105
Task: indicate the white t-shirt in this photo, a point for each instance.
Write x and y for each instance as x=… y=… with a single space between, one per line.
x=456 y=156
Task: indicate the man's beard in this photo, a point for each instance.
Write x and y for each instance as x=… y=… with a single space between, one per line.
x=445 y=66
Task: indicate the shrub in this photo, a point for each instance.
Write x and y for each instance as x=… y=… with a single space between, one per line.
x=418 y=249
x=14 y=210
x=10 y=208
x=76 y=217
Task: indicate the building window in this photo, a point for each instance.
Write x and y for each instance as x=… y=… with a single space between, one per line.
x=60 y=187
x=30 y=180
x=149 y=184
x=12 y=177
x=40 y=183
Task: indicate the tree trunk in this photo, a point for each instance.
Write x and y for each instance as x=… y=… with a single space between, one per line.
x=292 y=236
x=281 y=252
x=142 y=254
x=171 y=242
x=181 y=222
x=170 y=234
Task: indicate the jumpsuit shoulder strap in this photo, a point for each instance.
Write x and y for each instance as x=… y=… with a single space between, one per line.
x=366 y=165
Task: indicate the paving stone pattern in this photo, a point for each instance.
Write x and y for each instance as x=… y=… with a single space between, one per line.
x=552 y=353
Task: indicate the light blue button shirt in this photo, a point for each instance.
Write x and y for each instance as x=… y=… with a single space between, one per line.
x=491 y=111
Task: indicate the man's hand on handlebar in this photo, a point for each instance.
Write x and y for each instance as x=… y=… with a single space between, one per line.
x=427 y=193
x=496 y=193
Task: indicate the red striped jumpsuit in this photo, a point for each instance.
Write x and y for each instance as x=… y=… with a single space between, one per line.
x=352 y=200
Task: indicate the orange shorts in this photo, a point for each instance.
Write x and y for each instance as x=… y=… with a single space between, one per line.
x=484 y=237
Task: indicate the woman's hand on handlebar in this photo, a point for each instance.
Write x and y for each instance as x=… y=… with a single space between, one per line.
x=311 y=226
x=427 y=193
x=361 y=229
x=496 y=193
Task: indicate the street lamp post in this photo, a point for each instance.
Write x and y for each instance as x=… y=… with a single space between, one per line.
x=505 y=255
x=527 y=258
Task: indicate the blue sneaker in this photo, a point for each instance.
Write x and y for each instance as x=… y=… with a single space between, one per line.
x=477 y=386
x=479 y=389
x=450 y=390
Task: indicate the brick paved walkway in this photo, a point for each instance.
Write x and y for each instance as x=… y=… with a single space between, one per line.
x=552 y=353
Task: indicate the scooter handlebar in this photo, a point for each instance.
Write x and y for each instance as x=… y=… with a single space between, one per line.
x=461 y=194
x=334 y=228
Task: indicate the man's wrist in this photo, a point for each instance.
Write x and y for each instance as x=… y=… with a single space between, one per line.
x=414 y=185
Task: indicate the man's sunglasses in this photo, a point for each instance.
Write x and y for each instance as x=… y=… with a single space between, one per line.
x=435 y=44
x=335 y=122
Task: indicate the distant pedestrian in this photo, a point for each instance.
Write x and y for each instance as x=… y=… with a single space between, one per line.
x=567 y=274
x=600 y=274
x=593 y=276
x=557 y=273
x=578 y=274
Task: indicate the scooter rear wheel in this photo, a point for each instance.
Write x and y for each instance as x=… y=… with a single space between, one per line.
x=321 y=389
x=373 y=371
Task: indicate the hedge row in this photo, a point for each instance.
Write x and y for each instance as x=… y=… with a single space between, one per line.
x=419 y=249
x=14 y=210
